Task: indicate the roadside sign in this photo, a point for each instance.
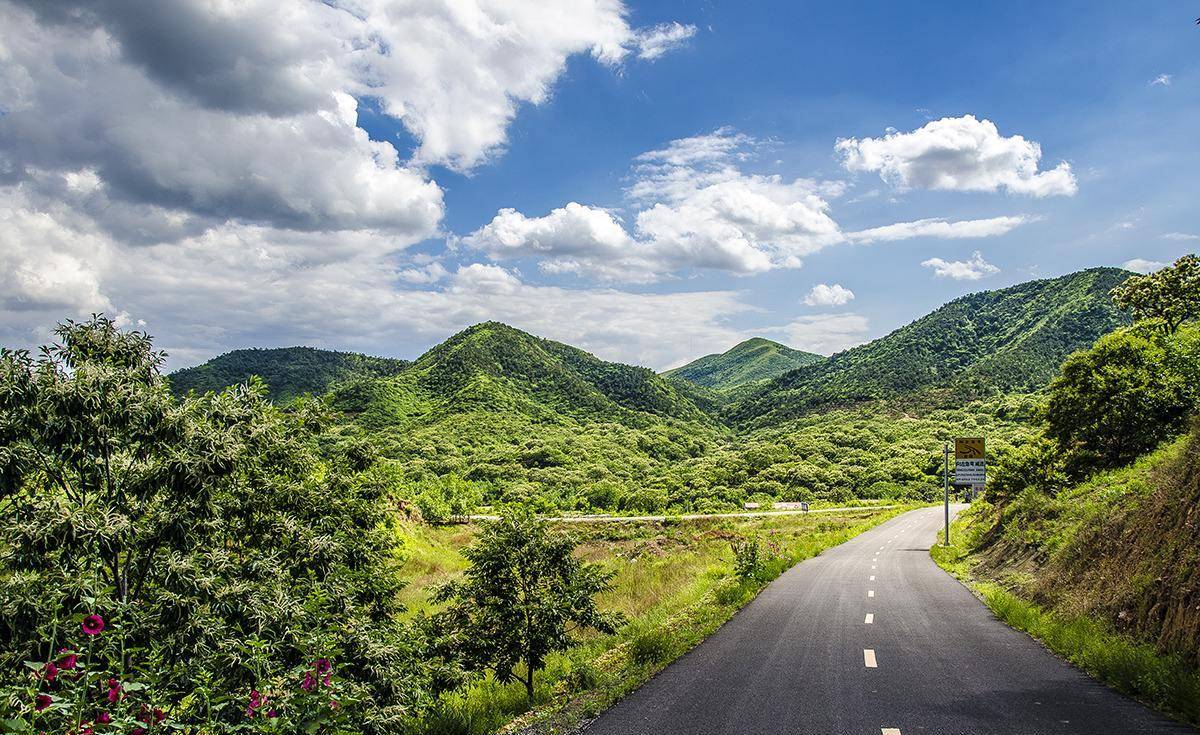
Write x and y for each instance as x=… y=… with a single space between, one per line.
x=970 y=462
x=968 y=448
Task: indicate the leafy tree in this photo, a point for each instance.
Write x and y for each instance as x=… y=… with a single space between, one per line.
x=1133 y=389
x=520 y=600
x=1171 y=294
x=221 y=548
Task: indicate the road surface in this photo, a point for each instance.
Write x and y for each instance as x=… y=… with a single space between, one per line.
x=871 y=637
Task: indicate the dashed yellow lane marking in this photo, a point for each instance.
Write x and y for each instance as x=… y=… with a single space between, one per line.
x=869 y=658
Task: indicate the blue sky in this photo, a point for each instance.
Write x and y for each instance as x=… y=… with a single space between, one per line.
x=219 y=209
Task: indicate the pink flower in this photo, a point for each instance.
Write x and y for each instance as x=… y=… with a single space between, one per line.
x=42 y=702
x=50 y=671
x=325 y=681
x=322 y=665
x=114 y=691
x=272 y=714
x=68 y=661
x=104 y=718
x=333 y=703
x=93 y=624
x=309 y=682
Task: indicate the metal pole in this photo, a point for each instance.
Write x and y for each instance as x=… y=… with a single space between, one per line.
x=946 y=488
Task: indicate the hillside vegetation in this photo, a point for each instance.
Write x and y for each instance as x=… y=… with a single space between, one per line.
x=289 y=372
x=982 y=344
x=1089 y=533
x=752 y=361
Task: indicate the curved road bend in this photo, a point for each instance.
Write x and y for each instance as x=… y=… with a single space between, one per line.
x=872 y=638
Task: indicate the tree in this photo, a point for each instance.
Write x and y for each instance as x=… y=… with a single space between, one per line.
x=1122 y=397
x=520 y=600
x=222 y=549
x=1171 y=294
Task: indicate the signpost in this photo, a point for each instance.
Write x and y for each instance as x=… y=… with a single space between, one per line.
x=970 y=468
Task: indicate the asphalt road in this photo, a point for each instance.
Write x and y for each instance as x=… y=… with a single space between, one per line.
x=872 y=637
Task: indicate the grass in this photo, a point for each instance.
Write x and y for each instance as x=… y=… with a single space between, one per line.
x=675 y=583
x=1166 y=682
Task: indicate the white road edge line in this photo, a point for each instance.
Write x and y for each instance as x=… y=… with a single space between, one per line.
x=869 y=619
x=869 y=658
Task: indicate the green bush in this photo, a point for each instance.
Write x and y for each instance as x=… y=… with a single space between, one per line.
x=1133 y=389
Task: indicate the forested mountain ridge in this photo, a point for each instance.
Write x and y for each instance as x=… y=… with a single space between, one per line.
x=1012 y=339
x=288 y=371
x=751 y=361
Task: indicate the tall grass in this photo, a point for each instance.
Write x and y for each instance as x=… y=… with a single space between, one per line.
x=1137 y=669
x=676 y=584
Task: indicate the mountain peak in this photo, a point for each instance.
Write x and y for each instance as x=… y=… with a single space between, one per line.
x=750 y=361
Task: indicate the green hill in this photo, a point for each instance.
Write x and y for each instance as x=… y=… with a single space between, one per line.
x=289 y=371
x=1012 y=339
x=754 y=360
x=520 y=417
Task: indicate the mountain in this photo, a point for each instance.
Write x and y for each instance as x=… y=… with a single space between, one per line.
x=751 y=361
x=289 y=371
x=494 y=367
x=1013 y=339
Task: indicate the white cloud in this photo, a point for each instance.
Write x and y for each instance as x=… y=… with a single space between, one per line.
x=695 y=209
x=826 y=295
x=941 y=228
x=429 y=273
x=1162 y=80
x=651 y=43
x=1141 y=265
x=1180 y=236
x=825 y=334
x=962 y=270
x=963 y=154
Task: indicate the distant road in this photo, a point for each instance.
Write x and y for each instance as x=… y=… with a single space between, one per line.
x=693 y=516
x=872 y=638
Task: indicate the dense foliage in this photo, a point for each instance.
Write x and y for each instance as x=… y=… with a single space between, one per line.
x=754 y=360
x=1123 y=396
x=201 y=557
x=520 y=599
x=986 y=343
x=1170 y=295
x=288 y=372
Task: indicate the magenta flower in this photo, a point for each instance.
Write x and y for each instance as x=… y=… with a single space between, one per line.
x=68 y=661
x=114 y=691
x=42 y=702
x=93 y=624
x=309 y=682
x=104 y=718
x=50 y=671
x=322 y=665
x=325 y=681
x=272 y=714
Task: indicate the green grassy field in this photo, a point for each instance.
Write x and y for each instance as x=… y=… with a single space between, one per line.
x=674 y=582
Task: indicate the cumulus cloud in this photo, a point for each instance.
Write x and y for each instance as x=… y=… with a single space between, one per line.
x=200 y=164
x=651 y=43
x=962 y=270
x=825 y=334
x=1141 y=265
x=963 y=154
x=826 y=295
x=695 y=209
x=941 y=228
